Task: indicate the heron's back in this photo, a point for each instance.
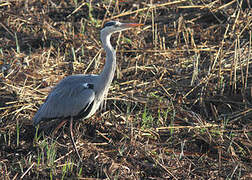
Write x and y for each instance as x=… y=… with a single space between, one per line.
x=73 y=96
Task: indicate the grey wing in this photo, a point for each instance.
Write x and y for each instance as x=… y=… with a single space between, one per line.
x=64 y=103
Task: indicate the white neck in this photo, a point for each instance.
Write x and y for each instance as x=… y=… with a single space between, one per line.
x=108 y=71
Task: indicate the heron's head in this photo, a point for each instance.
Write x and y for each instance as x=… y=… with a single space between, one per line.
x=115 y=26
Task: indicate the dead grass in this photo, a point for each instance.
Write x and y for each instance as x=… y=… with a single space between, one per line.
x=180 y=103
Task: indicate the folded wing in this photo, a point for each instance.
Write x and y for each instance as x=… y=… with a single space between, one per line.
x=66 y=102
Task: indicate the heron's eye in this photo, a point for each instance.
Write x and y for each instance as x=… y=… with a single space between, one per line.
x=111 y=23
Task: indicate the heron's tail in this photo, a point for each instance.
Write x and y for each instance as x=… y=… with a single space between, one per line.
x=37 y=118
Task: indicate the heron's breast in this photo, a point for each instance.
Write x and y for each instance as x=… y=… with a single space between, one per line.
x=95 y=107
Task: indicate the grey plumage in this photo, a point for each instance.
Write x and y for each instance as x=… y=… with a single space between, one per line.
x=79 y=96
x=68 y=98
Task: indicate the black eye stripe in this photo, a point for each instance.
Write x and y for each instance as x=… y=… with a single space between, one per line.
x=111 y=23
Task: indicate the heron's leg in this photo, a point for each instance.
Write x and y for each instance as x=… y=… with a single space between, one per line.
x=71 y=135
x=59 y=126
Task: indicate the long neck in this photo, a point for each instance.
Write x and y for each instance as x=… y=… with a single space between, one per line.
x=108 y=71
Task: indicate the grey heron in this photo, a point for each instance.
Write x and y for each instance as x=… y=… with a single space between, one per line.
x=79 y=96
